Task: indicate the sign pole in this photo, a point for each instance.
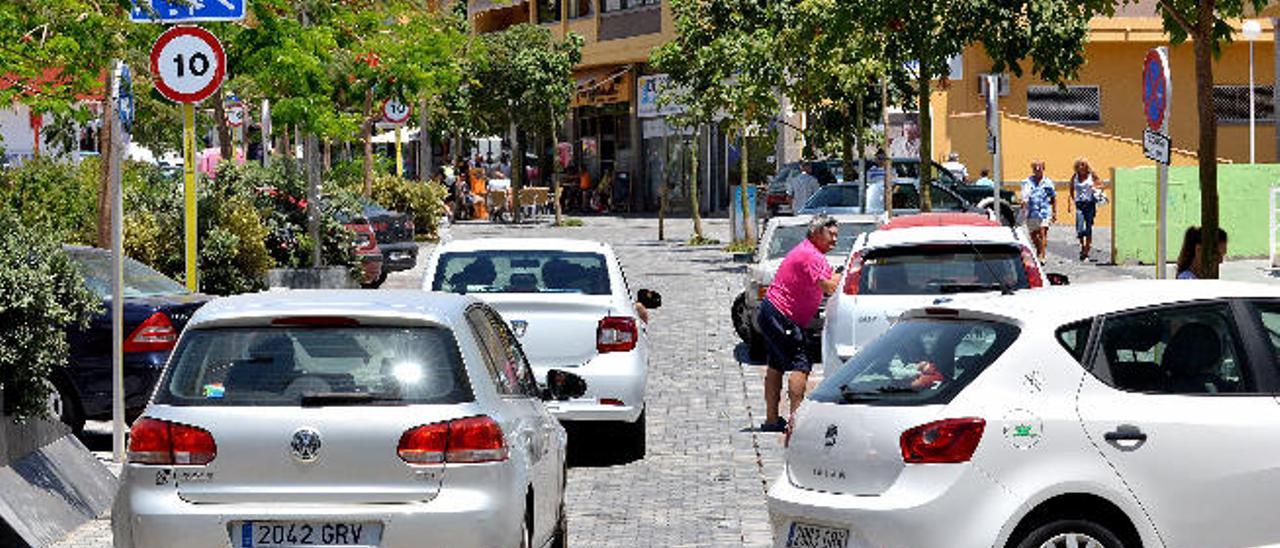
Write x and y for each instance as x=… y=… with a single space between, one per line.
x=117 y=269
x=189 y=191
x=1162 y=168
x=399 y=155
x=1157 y=91
x=994 y=144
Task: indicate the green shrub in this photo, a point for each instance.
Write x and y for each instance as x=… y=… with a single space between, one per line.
x=60 y=197
x=423 y=201
x=41 y=294
x=572 y=221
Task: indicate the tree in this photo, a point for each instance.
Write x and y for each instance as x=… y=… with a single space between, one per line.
x=1206 y=24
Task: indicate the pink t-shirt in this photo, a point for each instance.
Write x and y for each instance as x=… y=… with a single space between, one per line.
x=794 y=291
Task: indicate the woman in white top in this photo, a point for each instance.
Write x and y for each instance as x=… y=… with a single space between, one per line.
x=1085 y=187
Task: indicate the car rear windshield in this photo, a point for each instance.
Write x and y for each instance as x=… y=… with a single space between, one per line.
x=836 y=196
x=265 y=366
x=787 y=237
x=518 y=271
x=139 y=279
x=918 y=362
x=941 y=269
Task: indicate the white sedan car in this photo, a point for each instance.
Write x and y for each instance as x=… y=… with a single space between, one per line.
x=1124 y=414
x=569 y=305
x=346 y=418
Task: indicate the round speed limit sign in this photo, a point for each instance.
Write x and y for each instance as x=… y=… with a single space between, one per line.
x=235 y=115
x=395 y=112
x=188 y=64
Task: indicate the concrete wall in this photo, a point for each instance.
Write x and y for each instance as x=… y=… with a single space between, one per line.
x=1243 y=194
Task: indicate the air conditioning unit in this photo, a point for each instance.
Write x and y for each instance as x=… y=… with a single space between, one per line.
x=1004 y=84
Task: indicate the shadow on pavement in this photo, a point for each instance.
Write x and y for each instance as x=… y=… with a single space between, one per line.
x=597 y=446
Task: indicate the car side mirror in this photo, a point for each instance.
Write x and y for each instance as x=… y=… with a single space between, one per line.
x=1058 y=279
x=563 y=385
x=649 y=298
x=744 y=258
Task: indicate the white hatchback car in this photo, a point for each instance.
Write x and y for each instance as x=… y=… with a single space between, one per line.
x=1123 y=414
x=568 y=303
x=915 y=260
x=346 y=418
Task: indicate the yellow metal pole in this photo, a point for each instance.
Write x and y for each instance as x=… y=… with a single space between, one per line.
x=399 y=157
x=189 y=190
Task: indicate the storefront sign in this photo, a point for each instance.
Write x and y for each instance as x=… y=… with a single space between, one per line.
x=651 y=102
x=604 y=89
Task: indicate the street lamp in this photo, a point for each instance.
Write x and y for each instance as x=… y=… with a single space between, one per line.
x=1252 y=29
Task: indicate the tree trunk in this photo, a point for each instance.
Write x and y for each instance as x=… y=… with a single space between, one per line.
x=287 y=148
x=1208 y=153
x=328 y=156
x=695 y=205
x=425 y=168
x=311 y=155
x=105 y=149
x=926 y=140
x=748 y=231
x=224 y=132
x=846 y=144
x=517 y=169
x=861 y=147
x=555 y=172
x=366 y=135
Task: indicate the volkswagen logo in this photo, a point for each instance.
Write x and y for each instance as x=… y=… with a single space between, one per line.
x=519 y=326
x=305 y=445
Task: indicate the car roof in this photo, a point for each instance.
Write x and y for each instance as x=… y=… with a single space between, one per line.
x=938 y=219
x=495 y=244
x=803 y=219
x=1060 y=305
x=411 y=306
x=911 y=235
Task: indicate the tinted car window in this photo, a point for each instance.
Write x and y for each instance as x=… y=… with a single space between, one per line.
x=256 y=366
x=1074 y=337
x=836 y=196
x=502 y=369
x=139 y=279
x=1184 y=350
x=787 y=237
x=517 y=271
x=940 y=269
x=1269 y=316
x=918 y=362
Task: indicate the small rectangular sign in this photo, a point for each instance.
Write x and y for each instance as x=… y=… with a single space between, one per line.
x=1156 y=145
x=192 y=10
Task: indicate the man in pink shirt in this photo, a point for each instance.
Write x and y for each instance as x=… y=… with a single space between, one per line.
x=789 y=305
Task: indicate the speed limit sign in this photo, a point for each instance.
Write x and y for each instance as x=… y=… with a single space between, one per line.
x=235 y=115
x=395 y=112
x=188 y=64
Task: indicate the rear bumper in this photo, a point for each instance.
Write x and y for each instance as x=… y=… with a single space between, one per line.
x=619 y=376
x=945 y=505
x=399 y=256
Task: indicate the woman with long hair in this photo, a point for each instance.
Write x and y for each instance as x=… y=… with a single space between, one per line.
x=1085 y=187
x=1189 y=255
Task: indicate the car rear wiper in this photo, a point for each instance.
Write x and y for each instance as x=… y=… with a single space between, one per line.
x=852 y=396
x=951 y=289
x=320 y=399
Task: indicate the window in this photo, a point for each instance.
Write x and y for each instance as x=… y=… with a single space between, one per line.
x=1231 y=104
x=503 y=271
x=1069 y=105
x=942 y=269
x=918 y=362
x=607 y=6
x=516 y=367
x=548 y=11
x=579 y=8
x=502 y=368
x=1074 y=337
x=943 y=200
x=1188 y=350
x=1269 y=316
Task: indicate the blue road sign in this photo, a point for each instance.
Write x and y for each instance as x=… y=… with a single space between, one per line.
x=124 y=99
x=179 y=11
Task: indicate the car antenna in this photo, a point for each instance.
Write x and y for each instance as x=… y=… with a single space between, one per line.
x=1004 y=287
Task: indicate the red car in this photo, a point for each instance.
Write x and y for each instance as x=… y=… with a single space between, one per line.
x=366 y=246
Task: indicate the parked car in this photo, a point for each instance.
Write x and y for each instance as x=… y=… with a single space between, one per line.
x=918 y=259
x=394 y=232
x=908 y=169
x=155 y=310
x=365 y=244
x=846 y=198
x=1136 y=413
x=319 y=418
x=778 y=200
x=780 y=235
x=569 y=305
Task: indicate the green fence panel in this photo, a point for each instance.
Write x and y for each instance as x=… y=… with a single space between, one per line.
x=1244 y=192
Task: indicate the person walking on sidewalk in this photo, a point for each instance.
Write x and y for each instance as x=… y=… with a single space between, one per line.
x=790 y=304
x=1039 y=206
x=1190 y=255
x=1085 y=188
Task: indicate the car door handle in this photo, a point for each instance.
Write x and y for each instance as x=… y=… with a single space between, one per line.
x=1125 y=434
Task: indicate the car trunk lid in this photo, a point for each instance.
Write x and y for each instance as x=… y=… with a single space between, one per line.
x=850 y=449
x=555 y=330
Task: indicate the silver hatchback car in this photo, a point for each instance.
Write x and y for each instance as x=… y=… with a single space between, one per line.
x=346 y=418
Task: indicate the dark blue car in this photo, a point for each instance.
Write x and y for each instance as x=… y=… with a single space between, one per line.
x=156 y=309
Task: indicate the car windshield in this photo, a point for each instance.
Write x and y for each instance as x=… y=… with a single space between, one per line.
x=266 y=366
x=939 y=269
x=139 y=279
x=835 y=196
x=787 y=237
x=518 y=271
x=918 y=362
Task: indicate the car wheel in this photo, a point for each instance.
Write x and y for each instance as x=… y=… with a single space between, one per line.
x=741 y=324
x=636 y=437
x=1073 y=533
x=64 y=406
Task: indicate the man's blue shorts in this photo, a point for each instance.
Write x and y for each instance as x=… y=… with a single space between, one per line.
x=784 y=340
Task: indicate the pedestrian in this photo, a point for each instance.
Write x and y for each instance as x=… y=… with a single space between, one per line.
x=1085 y=188
x=1038 y=206
x=956 y=167
x=984 y=179
x=1190 y=255
x=802 y=185
x=875 y=183
x=789 y=305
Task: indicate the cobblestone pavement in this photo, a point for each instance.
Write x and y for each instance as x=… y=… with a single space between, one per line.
x=703 y=479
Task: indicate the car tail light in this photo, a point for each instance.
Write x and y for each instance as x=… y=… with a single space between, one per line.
x=469 y=440
x=155 y=334
x=944 y=441
x=853 y=274
x=616 y=334
x=1033 y=270
x=153 y=441
x=379 y=226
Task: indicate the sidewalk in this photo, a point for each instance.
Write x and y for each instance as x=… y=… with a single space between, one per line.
x=1063 y=249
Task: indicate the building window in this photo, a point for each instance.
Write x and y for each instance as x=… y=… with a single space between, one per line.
x=607 y=6
x=579 y=8
x=1231 y=104
x=548 y=11
x=1069 y=105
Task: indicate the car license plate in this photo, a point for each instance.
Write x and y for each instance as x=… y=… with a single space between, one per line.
x=260 y=534
x=804 y=535
x=399 y=256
